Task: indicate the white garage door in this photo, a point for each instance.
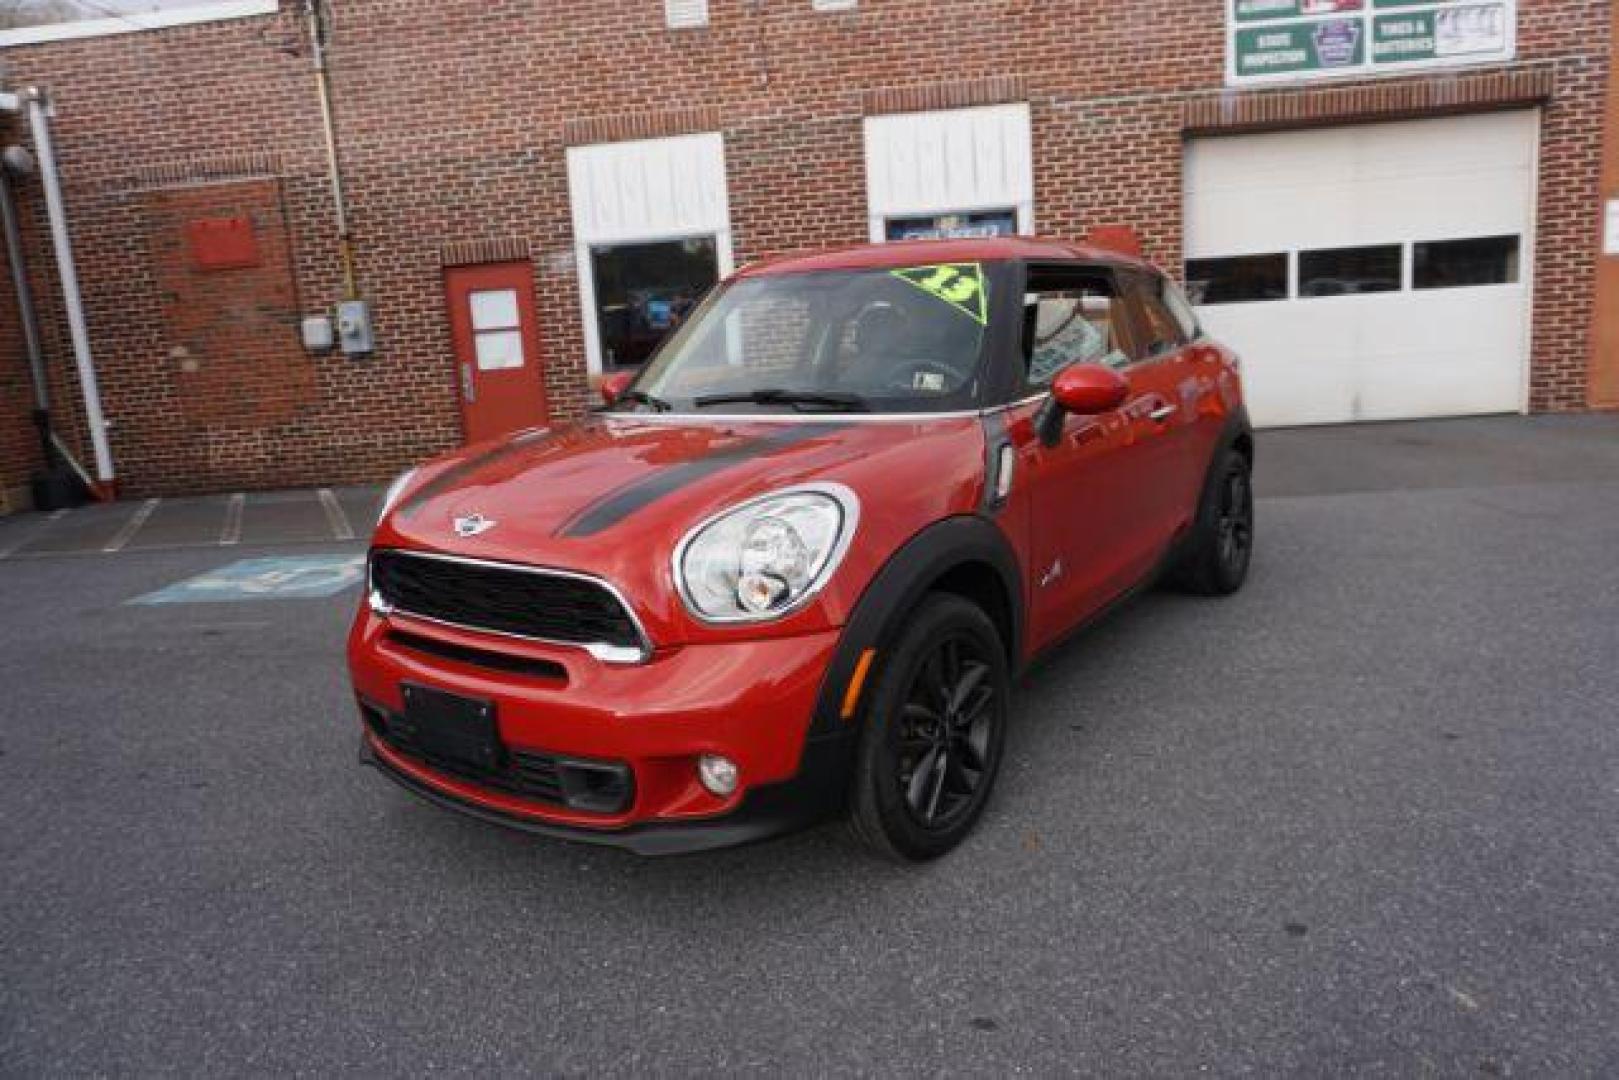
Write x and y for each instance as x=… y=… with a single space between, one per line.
x=1369 y=273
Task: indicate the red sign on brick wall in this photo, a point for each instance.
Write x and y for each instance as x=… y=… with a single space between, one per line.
x=222 y=243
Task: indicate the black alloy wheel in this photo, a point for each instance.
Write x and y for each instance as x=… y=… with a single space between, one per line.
x=1236 y=521
x=945 y=728
x=934 y=727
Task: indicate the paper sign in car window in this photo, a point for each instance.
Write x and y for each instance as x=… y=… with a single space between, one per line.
x=961 y=285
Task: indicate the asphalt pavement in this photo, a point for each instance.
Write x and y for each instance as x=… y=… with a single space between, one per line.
x=1363 y=818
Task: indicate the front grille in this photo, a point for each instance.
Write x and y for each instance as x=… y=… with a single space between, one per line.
x=519 y=601
x=549 y=670
x=598 y=787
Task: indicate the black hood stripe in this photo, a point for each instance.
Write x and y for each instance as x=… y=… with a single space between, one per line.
x=456 y=473
x=637 y=495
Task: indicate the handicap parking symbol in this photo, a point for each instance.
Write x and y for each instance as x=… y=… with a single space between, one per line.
x=301 y=577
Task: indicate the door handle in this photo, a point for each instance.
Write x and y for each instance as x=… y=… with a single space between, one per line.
x=1162 y=413
x=469 y=389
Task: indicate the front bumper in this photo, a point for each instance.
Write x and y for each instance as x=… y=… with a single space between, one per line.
x=752 y=701
x=815 y=794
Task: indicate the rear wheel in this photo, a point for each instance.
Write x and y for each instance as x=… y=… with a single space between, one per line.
x=934 y=733
x=1221 y=546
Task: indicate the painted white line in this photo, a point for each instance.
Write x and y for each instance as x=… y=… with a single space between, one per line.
x=132 y=526
x=232 y=532
x=30 y=535
x=339 y=521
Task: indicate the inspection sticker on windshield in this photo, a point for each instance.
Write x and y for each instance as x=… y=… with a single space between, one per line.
x=961 y=285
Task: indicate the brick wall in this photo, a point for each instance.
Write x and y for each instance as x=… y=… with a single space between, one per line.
x=456 y=115
x=19 y=441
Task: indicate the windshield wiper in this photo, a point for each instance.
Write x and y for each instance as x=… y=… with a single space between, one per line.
x=641 y=397
x=825 y=398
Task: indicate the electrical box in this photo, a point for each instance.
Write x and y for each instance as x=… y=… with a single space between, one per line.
x=354 y=334
x=318 y=334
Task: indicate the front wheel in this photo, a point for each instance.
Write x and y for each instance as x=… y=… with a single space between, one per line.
x=934 y=733
x=1221 y=547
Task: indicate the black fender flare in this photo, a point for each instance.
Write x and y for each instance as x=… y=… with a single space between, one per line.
x=900 y=585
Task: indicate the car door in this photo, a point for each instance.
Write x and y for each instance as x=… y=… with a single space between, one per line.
x=1162 y=413
x=1089 y=498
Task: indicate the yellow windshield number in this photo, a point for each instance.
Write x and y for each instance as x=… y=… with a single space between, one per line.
x=961 y=285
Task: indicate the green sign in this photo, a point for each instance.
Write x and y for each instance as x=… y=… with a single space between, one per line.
x=961 y=285
x=1298 y=39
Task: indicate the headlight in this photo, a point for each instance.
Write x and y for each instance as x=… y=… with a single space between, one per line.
x=763 y=559
x=395 y=489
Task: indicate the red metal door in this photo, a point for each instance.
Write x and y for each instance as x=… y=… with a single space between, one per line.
x=497 y=348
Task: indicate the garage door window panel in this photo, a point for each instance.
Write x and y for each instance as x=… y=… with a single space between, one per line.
x=1455 y=264
x=1239 y=279
x=1351 y=271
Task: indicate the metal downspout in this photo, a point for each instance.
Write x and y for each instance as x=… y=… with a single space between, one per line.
x=72 y=298
x=328 y=116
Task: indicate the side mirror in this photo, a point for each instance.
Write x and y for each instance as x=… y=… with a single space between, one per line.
x=613 y=386
x=1089 y=389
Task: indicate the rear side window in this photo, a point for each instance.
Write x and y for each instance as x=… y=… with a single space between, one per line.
x=1070 y=317
x=1181 y=309
x=1157 y=330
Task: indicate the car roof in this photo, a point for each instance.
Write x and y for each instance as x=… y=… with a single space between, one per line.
x=928 y=252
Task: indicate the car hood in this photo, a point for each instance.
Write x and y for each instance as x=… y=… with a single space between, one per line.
x=613 y=495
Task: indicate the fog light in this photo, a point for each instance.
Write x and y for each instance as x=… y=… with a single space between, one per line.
x=718 y=774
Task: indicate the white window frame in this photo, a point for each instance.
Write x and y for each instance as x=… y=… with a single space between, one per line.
x=1016 y=122
x=138 y=21
x=709 y=148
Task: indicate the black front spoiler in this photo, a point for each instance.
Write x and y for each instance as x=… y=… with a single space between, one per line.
x=815 y=794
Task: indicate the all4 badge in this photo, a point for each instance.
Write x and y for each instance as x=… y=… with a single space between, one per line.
x=961 y=285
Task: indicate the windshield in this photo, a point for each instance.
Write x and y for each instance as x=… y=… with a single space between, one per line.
x=904 y=340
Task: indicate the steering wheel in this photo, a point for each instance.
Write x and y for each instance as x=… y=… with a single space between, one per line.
x=906 y=377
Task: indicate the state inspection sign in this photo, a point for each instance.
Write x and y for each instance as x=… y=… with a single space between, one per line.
x=1289 y=40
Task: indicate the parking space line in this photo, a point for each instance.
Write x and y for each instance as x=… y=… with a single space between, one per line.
x=132 y=526
x=335 y=517
x=30 y=535
x=231 y=534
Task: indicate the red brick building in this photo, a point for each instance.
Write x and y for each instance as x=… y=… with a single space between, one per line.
x=538 y=189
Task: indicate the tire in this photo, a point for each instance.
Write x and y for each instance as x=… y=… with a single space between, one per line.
x=916 y=792
x=1221 y=547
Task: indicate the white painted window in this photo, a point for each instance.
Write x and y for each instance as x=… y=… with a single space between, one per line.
x=833 y=5
x=680 y=14
x=652 y=230
x=26 y=22
x=959 y=172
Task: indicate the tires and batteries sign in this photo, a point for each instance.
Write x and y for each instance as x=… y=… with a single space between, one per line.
x=1289 y=40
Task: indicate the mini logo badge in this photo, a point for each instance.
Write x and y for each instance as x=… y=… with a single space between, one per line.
x=473 y=525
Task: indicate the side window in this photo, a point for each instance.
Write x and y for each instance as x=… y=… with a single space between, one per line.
x=1070 y=318
x=1181 y=309
x=1158 y=332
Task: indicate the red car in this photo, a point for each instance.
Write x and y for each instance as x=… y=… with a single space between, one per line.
x=793 y=569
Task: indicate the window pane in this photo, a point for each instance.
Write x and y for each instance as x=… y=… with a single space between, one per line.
x=954 y=226
x=1450 y=264
x=643 y=291
x=1349 y=271
x=1067 y=327
x=1178 y=306
x=495 y=310
x=500 y=350
x=1242 y=279
x=1158 y=331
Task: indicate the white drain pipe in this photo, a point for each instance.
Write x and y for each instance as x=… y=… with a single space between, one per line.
x=45 y=149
